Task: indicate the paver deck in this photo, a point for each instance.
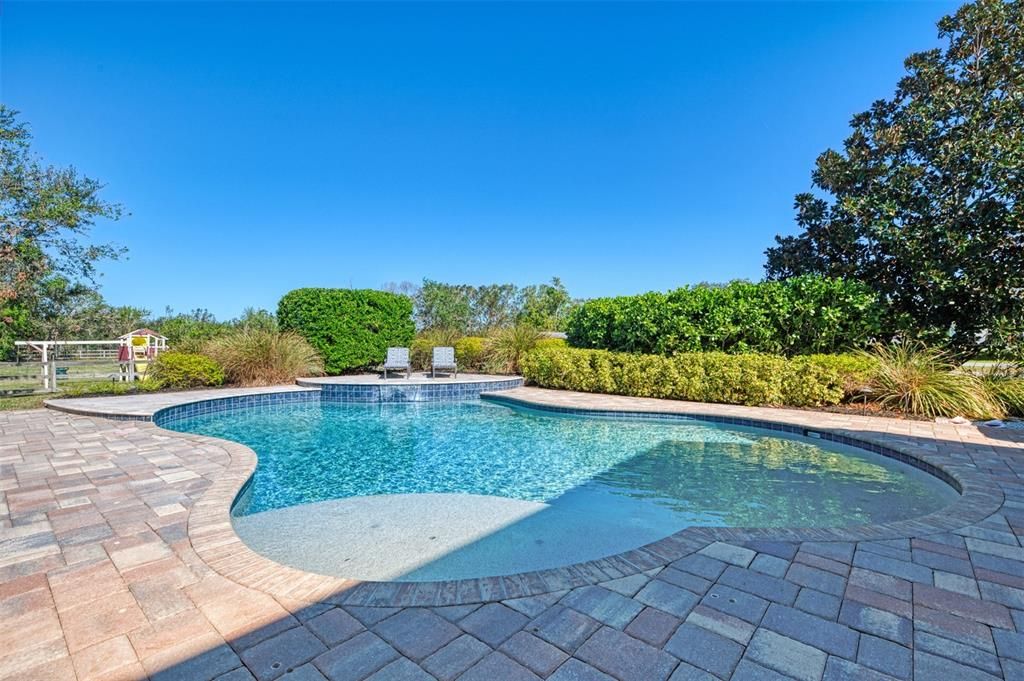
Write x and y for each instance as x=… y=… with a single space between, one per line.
x=114 y=556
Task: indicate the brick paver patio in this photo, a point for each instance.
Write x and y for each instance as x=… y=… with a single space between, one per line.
x=114 y=551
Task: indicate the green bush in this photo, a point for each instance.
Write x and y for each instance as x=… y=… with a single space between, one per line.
x=471 y=353
x=254 y=356
x=351 y=329
x=186 y=370
x=855 y=370
x=797 y=316
x=751 y=379
x=422 y=348
x=547 y=342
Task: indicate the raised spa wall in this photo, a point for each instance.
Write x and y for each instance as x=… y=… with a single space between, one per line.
x=338 y=393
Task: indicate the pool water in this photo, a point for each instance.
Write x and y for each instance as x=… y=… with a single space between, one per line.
x=604 y=485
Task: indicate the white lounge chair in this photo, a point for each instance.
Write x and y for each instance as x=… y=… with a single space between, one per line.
x=444 y=358
x=397 y=360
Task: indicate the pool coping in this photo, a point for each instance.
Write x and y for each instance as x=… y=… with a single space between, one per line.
x=212 y=535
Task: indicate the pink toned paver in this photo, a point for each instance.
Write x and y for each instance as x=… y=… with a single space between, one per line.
x=117 y=561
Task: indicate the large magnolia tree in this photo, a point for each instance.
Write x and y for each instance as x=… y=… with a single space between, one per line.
x=46 y=214
x=924 y=201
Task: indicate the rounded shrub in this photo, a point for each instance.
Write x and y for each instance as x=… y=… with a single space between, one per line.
x=186 y=370
x=471 y=353
x=801 y=315
x=350 y=329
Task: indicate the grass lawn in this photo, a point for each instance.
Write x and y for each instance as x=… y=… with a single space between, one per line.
x=24 y=401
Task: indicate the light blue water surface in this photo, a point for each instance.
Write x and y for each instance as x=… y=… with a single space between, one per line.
x=663 y=474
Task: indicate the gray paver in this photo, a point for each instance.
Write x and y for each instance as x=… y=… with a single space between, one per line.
x=456 y=657
x=893 y=567
x=273 y=657
x=1009 y=644
x=751 y=671
x=705 y=649
x=928 y=666
x=402 y=669
x=838 y=669
x=537 y=655
x=334 y=626
x=574 y=670
x=736 y=603
x=787 y=656
x=878 y=622
x=416 y=632
x=493 y=623
x=356 y=658
x=959 y=652
x=729 y=553
x=770 y=565
x=668 y=597
x=603 y=605
x=624 y=657
x=722 y=624
x=306 y=672
x=885 y=656
x=833 y=638
x=765 y=586
x=686 y=580
x=701 y=565
x=498 y=666
x=653 y=626
x=818 y=603
x=820 y=580
x=564 y=627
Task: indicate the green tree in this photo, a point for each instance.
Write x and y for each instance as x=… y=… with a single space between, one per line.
x=46 y=215
x=446 y=307
x=189 y=331
x=924 y=202
x=546 y=306
x=254 y=319
x=494 y=307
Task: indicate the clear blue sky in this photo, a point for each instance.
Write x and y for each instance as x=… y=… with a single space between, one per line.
x=623 y=147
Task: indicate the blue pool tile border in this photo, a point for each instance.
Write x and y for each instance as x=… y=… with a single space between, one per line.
x=332 y=393
x=233 y=403
x=413 y=392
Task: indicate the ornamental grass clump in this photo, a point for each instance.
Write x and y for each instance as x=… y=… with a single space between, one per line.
x=1005 y=382
x=912 y=378
x=265 y=357
x=506 y=349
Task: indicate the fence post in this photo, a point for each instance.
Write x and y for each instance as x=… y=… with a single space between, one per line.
x=52 y=373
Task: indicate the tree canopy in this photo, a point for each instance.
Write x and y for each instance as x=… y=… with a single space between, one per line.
x=923 y=203
x=47 y=263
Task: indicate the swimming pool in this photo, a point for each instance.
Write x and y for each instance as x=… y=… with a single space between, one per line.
x=445 y=490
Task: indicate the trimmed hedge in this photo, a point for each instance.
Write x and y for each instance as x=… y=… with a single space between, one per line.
x=750 y=379
x=797 y=316
x=186 y=370
x=351 y=329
